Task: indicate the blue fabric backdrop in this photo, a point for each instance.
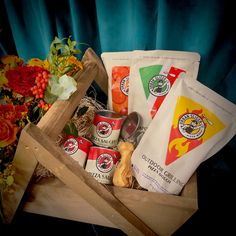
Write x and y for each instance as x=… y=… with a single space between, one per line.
x=27 y=28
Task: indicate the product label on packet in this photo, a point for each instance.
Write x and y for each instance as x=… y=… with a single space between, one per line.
x=117 y=65
x=157 y=81
x=192 y=125
x=120 y=89
x=152 y=76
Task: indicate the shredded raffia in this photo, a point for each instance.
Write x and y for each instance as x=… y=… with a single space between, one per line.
x=83 y=124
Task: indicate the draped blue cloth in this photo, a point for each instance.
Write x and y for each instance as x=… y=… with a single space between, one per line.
x=27 y=28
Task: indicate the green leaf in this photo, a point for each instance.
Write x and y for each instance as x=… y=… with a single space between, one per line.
x=82 y=111
x=73 y=43
x=77 y=51
x=53 y=80
x=59 y=46
x=28 y=99
x=70 y=129
x=67 y=69
x=35 y=109
x=67 y=50
x=56 y=40
x=49 y=97
x=60 y=51
x=69 y=41
x=54 y=50
x=41 y=112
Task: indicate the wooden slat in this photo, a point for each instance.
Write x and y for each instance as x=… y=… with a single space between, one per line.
x=25 y=165
x=102 y=78
x=81 y=182
x=164 y=213
x=156 y=198
x=51 y=197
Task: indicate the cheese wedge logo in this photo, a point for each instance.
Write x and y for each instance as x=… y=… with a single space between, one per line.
x=192 y=125
x=157 y=81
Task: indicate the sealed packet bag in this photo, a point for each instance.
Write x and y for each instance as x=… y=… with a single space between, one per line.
x=152 y=75
x=192 y=124
x=117 y=65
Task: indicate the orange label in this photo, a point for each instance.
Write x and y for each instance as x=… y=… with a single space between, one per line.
x=192 y=125
x=120 y=89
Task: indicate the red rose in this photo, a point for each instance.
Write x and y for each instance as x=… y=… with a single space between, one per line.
x=8 y=132
x=13 y=113
x=8 y=112
x=22 y=79
x=20 y=110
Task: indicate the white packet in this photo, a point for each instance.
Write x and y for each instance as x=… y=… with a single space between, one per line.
x=117 y=65
x=192 y=124
x=152 y=76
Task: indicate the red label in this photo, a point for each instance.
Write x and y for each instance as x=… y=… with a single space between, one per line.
x=95 y=152
x=72 y=144
x=106 y=122
x=172 y=76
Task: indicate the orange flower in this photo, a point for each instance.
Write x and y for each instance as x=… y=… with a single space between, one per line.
x=12 y=61
x=73 y=60
x=75 y=64
x=8 y=132
x=68 y=66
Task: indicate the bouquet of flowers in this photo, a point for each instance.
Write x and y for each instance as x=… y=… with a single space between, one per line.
x=27 y=91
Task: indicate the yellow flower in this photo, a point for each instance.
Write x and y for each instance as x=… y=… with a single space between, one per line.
x=3 y=79
x=46 y=64
x=12 y=60
x=35 y=62
x=8 y=61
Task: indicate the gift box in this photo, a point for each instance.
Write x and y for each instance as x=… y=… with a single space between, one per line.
x=73 y=193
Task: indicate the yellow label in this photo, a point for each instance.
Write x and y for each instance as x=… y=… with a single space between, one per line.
x=192 y=125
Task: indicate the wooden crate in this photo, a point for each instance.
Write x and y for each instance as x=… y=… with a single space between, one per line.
x=75 y=195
